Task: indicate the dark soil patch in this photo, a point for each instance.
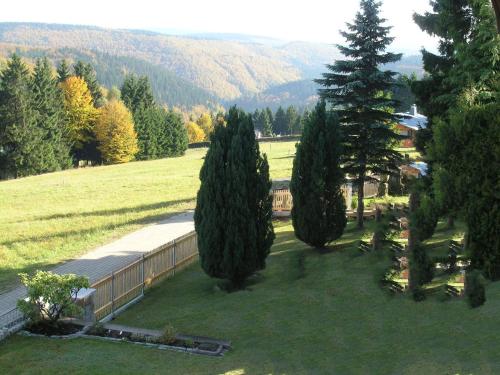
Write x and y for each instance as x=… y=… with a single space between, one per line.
x=60 y=329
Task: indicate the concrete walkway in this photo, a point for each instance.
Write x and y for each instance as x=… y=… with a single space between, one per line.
x=111 y=257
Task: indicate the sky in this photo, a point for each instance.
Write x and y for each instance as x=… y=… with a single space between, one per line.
x=306 y=20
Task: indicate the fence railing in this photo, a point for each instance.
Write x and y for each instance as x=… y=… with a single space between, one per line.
x=11 y=318
x=128 y=283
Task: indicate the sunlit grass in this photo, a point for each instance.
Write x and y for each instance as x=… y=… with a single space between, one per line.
x=55 y=217
x=308 y=312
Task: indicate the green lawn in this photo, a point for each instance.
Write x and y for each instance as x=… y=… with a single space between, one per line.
x=55 y=217
x=307 y=313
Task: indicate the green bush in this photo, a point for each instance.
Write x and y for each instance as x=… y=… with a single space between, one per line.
x=474 y=284
x=421 y=266
x=51 y=296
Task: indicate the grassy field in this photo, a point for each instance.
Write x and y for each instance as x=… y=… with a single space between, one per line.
x=55 y=217
x=307 y=313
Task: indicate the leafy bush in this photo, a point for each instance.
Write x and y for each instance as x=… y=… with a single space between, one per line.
x=425 y=218
x=421 y=266
x=474 y=284
x=50 y=296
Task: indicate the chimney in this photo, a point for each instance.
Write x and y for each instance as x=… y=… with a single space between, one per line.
x=414 y=110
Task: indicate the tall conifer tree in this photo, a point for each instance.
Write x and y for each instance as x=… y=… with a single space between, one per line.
x=318 y=211
x=233 y=216
x=48 y=102
x=63 y=71
x=358 y=89
x=87 y=73
x=22 y=145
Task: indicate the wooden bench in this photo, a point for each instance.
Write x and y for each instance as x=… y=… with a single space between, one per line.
x=396 y=287
x=452 y=291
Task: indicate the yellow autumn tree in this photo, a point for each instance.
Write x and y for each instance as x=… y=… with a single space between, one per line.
x=205 y=123
x=115 y=134
x=80 y=112
x=195 y=133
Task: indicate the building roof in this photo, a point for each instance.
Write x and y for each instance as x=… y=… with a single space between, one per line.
x=421 y=166
x=413 y=119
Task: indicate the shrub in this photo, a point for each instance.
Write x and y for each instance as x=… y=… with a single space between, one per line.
x=421 y=266
x=51 y=296
x=168 y=335
x=474 y=288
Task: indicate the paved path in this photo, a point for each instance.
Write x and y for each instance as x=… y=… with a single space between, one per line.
x=111 y=257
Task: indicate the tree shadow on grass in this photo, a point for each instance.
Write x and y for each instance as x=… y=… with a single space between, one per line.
x=117 y=211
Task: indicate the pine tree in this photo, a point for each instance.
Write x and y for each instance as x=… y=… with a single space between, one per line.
x=22 y=145
x=48 y=102
x=233 y=216
x=270 y=115
x=291 y=119
x=451 y=22
x=318 y=211
x=280 y=122
x=173 y=137
x=136 y=92
x=267 y=127
x=115 y=134
x=147 y=122
x=359 y=89
x=87 y=73
x=63 y=71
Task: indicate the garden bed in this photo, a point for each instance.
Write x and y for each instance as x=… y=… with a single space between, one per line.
x=184 y=343
x=63 y=329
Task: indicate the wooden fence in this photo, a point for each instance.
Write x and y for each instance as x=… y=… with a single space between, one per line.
x=128 y=283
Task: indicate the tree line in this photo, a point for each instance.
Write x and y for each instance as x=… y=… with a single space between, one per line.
x=50 y=122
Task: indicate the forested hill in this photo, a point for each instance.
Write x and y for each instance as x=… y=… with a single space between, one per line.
x=188 y=70
x=111 y=70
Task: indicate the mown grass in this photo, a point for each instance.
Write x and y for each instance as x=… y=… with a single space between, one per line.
x=306 y=313
x=55 y=217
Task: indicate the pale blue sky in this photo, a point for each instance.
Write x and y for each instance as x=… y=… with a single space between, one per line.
x=309 y=20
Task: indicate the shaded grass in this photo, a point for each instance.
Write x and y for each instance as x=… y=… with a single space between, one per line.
x=58 y=216
x=332 y=319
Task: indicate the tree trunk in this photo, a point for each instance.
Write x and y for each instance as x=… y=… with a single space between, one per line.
x=451 y=222
x=361 y=203
x=412 y=241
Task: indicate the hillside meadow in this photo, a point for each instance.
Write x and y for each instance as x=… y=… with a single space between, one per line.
x=50 y=218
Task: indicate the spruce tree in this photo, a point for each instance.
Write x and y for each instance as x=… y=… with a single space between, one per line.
x=267 y=128
x=291 y=119
x=63 y=71
x=22 y=146
x=136 y=92
x=318 y=211
x=87 y=73
x=233 y=216
x=173 y=137
x=450 y=21
x=48 y=102
x=147 y=122
x=359 y=90
x=280 y=122
x=270 y=115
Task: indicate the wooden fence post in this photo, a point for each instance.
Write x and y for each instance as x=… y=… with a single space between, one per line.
x=112 y=294
x=142 y=274
x=175 y=255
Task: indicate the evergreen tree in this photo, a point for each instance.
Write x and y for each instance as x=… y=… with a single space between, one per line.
x=267 y=128
x=115 y=133
x=358 y=88
x=233 y=216
x=173 y=137
x=280 y=122
x=291 y=119
x=136 y=92
x=256 y=120
x=22 y=145
x=450 y=21
x=48 y=102
x=147 y=122
x=87 y=73
x=270 y=115
x=63 y=71
x=318 y=211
